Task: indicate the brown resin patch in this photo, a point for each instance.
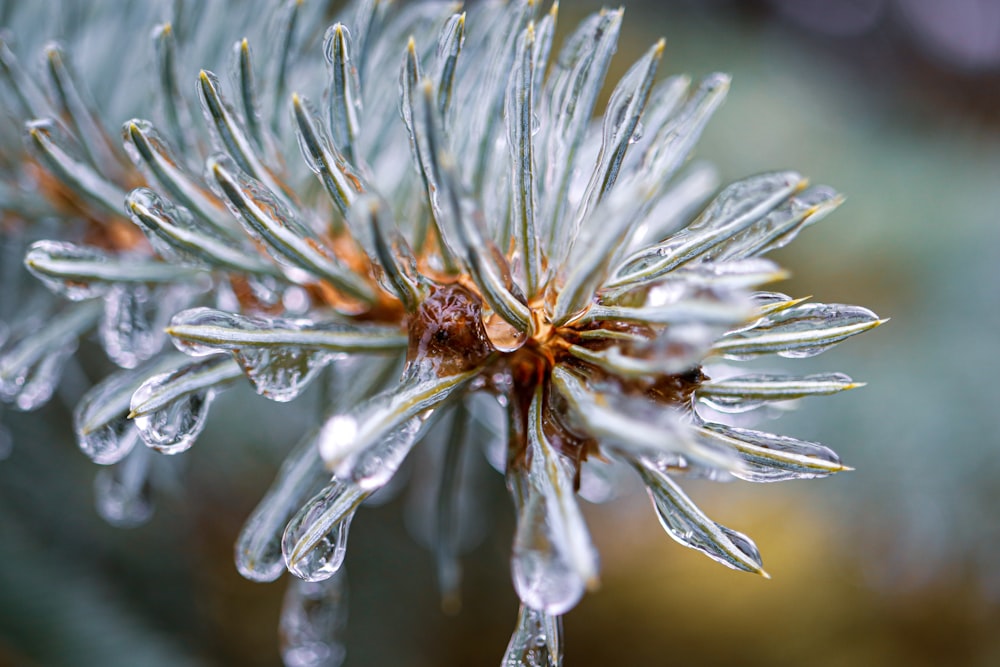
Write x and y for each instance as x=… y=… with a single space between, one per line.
x=447 y=331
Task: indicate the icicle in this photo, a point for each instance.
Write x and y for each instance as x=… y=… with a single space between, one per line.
x=103 y=430
x=315 y=541
x=258 y=549
x=31 y=360
x=135 y=315
x=536 y=642
x=280 y=356
x=170 y=409
x=554 y=560
x=313 y=617
x=122 y=492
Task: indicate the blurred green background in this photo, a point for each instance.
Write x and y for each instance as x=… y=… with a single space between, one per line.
x=892 y=564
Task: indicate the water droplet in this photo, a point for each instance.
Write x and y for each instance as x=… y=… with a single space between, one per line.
x=134 y=318
x=295 y=300
x=122 y=492
x=170 y=408
x=282 y=373
x=173 y=428
x=258 y=549
x=47 y=260
x=599 y=480
x=100 y=419
x=313 y=618
x=109 y=443
x=30 y=386
x=279 y=372
x=543 y=576
x=200 y=317
x=315 y=541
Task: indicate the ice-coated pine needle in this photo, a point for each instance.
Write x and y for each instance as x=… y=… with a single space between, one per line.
x=455 y=229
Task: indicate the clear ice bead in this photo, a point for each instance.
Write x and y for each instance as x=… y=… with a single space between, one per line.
x=313 y=617
x=44 y=254
x=180 y=402
x=31 y=386
x=258 y=549
x=135 y=316
x=122 y=492
x=543 y=576
x=32 y=357
x=315 y=541
x=104 y=438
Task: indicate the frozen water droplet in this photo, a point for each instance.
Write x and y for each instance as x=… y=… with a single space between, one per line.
x=170 y=409
x=32 y=356
x=326 y=556
x=173 y=428
x=31 y=385
x=46 y=260
x=122 y=492
x=503 y=336
x=315 y=540
x=313 y=617
x=103 y=431
x=282 y=373
x=134 y=318
x=543 y=576
x=201 y=317
x=110 y=443
x=258 y=549
x=278 y=371
x=295 y=300
x=599 y=480
x=100 y=420
x=536 y=642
